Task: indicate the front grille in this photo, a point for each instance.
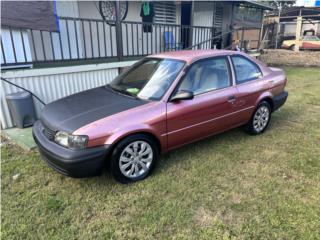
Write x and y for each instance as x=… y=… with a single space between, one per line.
x=48 y=132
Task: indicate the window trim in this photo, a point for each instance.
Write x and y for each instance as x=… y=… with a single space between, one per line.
x=231 y=82
x=235 y=72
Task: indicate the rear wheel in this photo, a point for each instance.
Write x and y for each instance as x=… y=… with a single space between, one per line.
x=260 y=119
x=291 y=47
x=133 y=158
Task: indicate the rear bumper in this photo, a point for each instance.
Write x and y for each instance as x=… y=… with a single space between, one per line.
x=74 y=163
x=279 y=100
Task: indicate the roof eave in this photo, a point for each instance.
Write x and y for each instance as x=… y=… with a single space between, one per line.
x=260 y=5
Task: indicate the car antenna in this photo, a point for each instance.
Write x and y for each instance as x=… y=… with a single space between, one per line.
x=7 y=81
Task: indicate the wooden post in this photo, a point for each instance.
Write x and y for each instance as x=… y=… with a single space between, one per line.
x=260 y=31
x=278 y=25
x=298 y=32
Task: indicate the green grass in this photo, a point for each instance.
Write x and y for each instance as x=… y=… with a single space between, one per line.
x=230 y=186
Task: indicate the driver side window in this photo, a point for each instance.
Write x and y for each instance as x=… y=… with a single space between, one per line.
x=206 y=75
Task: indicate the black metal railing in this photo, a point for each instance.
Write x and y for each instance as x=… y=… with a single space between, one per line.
x=141 y=39
x=85 y=40
x=81 y=39
x=77 y=39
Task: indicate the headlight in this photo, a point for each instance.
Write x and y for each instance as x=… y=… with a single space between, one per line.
x=71 y=141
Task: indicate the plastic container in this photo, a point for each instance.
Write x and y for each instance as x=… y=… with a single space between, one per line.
x=22 y=110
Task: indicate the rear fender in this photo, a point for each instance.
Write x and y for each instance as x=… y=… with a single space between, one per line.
x=264 y=96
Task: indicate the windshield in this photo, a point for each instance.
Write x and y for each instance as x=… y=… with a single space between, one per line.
x=148 y=79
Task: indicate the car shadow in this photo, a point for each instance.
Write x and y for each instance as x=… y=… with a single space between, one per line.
x=182 y=154
x=233 y=136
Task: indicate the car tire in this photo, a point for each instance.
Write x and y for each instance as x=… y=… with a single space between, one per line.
x=291 y=47
x=260 y=119
x=133 y=158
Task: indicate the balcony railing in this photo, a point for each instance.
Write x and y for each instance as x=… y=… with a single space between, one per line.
x=91 y=40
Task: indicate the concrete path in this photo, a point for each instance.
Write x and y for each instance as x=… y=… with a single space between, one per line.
x=21 y=137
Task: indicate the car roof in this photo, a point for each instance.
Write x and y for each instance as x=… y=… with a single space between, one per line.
x=192 y=55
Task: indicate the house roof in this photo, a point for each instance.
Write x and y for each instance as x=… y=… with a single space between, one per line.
x=260 y=5
x=306 y=12
x=311 y=13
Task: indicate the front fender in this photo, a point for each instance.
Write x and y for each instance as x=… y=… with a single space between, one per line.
x=141 y=128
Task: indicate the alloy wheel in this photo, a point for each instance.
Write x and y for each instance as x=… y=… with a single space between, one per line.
x=261 y=118
x=135 y=159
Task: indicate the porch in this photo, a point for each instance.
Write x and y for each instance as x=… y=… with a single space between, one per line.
x=85 y=41
x=84 y=37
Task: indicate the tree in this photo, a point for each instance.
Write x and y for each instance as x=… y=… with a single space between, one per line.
x=281 y=6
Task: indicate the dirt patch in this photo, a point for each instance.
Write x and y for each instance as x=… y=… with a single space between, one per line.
x=291 y=58
x=204 y=218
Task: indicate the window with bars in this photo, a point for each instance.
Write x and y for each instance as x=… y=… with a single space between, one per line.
x=165 y=12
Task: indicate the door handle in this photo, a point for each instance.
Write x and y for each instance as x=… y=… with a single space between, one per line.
x=231 y=99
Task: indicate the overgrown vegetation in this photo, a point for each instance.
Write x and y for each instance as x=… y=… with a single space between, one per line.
x=230 y=186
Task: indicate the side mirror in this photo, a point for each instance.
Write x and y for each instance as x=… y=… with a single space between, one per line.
x=182 y=95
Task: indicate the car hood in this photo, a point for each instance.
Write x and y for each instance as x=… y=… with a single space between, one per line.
x=72 y=112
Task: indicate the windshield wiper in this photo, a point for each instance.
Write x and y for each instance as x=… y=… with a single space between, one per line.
x=120 y=90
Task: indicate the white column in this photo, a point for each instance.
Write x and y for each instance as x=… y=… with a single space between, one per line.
x=298 y=32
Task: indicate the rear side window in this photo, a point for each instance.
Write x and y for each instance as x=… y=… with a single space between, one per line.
x=245 y=70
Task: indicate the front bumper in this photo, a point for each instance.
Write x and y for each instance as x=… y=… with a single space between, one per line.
x=279 y=100
x=74 y=163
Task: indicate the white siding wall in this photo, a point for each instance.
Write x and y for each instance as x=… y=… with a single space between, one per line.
x=53 y=83
x=290 y=28
x=227 y=20
x=19 y=42
x=64 y=9
x=202 y=16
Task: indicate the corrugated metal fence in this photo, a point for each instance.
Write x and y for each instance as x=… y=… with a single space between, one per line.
x=53 y=83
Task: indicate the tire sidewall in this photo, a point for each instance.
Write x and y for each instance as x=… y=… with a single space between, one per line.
x=251 y=128
x=116 y=153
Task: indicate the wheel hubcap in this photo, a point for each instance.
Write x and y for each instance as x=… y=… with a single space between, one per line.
x=261 y=118
x=135 y=159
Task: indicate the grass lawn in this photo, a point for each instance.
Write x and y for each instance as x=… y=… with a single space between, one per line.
x=230 y=186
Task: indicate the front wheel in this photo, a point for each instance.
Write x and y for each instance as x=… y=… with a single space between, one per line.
x=133 y=158
x=260 y=119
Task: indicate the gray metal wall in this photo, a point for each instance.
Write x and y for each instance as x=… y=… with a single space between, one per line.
x=53 y=83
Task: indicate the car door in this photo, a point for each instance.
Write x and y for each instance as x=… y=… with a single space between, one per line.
x=209 y=111
x=249 y=85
